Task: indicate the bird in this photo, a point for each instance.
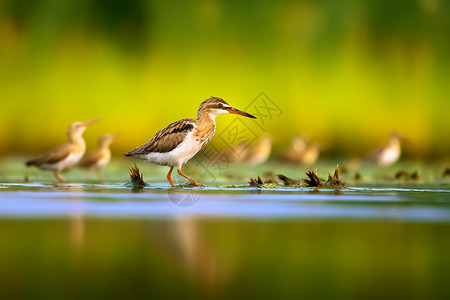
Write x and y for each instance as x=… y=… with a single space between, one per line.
x=178 y=142
x=302 y=152
x=298 y=145
x=310 y=155
x=67 y=155
x=236 y=153
x=387 y=154
x=259 y=153
x=99 y=157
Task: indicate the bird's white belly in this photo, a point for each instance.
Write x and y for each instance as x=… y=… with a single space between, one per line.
x=389 y=156
x=178 y=156
x=103 y=161
x=69 y=161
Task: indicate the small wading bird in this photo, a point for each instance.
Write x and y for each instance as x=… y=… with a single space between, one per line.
x=66 y=155
x=99 y=157
x=250 y=155
x=302 y=153
x=387 y=154
x=259 y=153
x=298 y=145
x=310 y=155
x=177 y=143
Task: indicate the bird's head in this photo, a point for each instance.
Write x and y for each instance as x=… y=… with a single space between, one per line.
x=397 y=137
x=106 y=139
x=77 y=128
x=215 y=106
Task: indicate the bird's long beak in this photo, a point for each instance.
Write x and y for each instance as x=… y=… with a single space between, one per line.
x=115 y=136
x=235 y=111
x=90 y=122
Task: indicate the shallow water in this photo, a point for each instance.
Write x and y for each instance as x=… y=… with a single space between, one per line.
x=423 y=204
x=380 y=239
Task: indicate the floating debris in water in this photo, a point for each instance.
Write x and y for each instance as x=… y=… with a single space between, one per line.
x=259 y=183
x=289 y=181
x=136 y=178
x=446 y=173
x=270 y=177
x=256 y=182
x=403 y=175
x=333 y=181
x=313 y=179
x=415 y=175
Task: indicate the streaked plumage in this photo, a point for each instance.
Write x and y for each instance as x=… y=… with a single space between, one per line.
x=64 y=156
x=99 y=157
x=175 y=144
x=387 y=154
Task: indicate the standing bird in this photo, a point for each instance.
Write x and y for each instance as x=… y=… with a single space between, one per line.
x=259 y=153
x=387 y=154
x=100 y=157
x=177 y=143
x=310 y=155
x=66 y=155
x=296 y=150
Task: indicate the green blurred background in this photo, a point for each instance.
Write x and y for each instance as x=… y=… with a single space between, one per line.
x=345 y=72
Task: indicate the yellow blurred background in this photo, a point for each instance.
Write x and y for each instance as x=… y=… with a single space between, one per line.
x=347 y=73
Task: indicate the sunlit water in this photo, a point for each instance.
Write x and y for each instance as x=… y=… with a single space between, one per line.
x=158 y=201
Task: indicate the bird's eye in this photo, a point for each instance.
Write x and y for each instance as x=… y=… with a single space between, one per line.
x=219 y=105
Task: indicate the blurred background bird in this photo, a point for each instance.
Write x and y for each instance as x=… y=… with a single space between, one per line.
x=259 y=153
x=310 y=155
x=302 y=152
x=67 y=155
x=388 y=153
x=298 y=145
x=98 y=158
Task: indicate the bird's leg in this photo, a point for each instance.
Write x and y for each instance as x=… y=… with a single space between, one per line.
x=169 y=176
x=189 y=178
x=88 y=174
x=56 y=174
x=99 y=174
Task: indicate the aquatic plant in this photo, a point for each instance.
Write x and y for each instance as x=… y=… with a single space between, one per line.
x=403 y=175
x=259 y=183
x=289 y=181
x=333 y=181
x=446 y=173
x=136 y=178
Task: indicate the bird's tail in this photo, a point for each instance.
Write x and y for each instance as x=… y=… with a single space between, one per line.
x=131 y=153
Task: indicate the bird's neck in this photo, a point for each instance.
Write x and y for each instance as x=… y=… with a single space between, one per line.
x=204 y=119
x=394 y=142
x=103 y=145
x=77 y=139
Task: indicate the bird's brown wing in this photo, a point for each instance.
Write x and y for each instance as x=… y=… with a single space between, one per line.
x=166 y=139
x=90 y=159
x=52 y=156
x=374 y=156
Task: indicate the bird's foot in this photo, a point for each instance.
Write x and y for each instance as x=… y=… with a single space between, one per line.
x=196 y=183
